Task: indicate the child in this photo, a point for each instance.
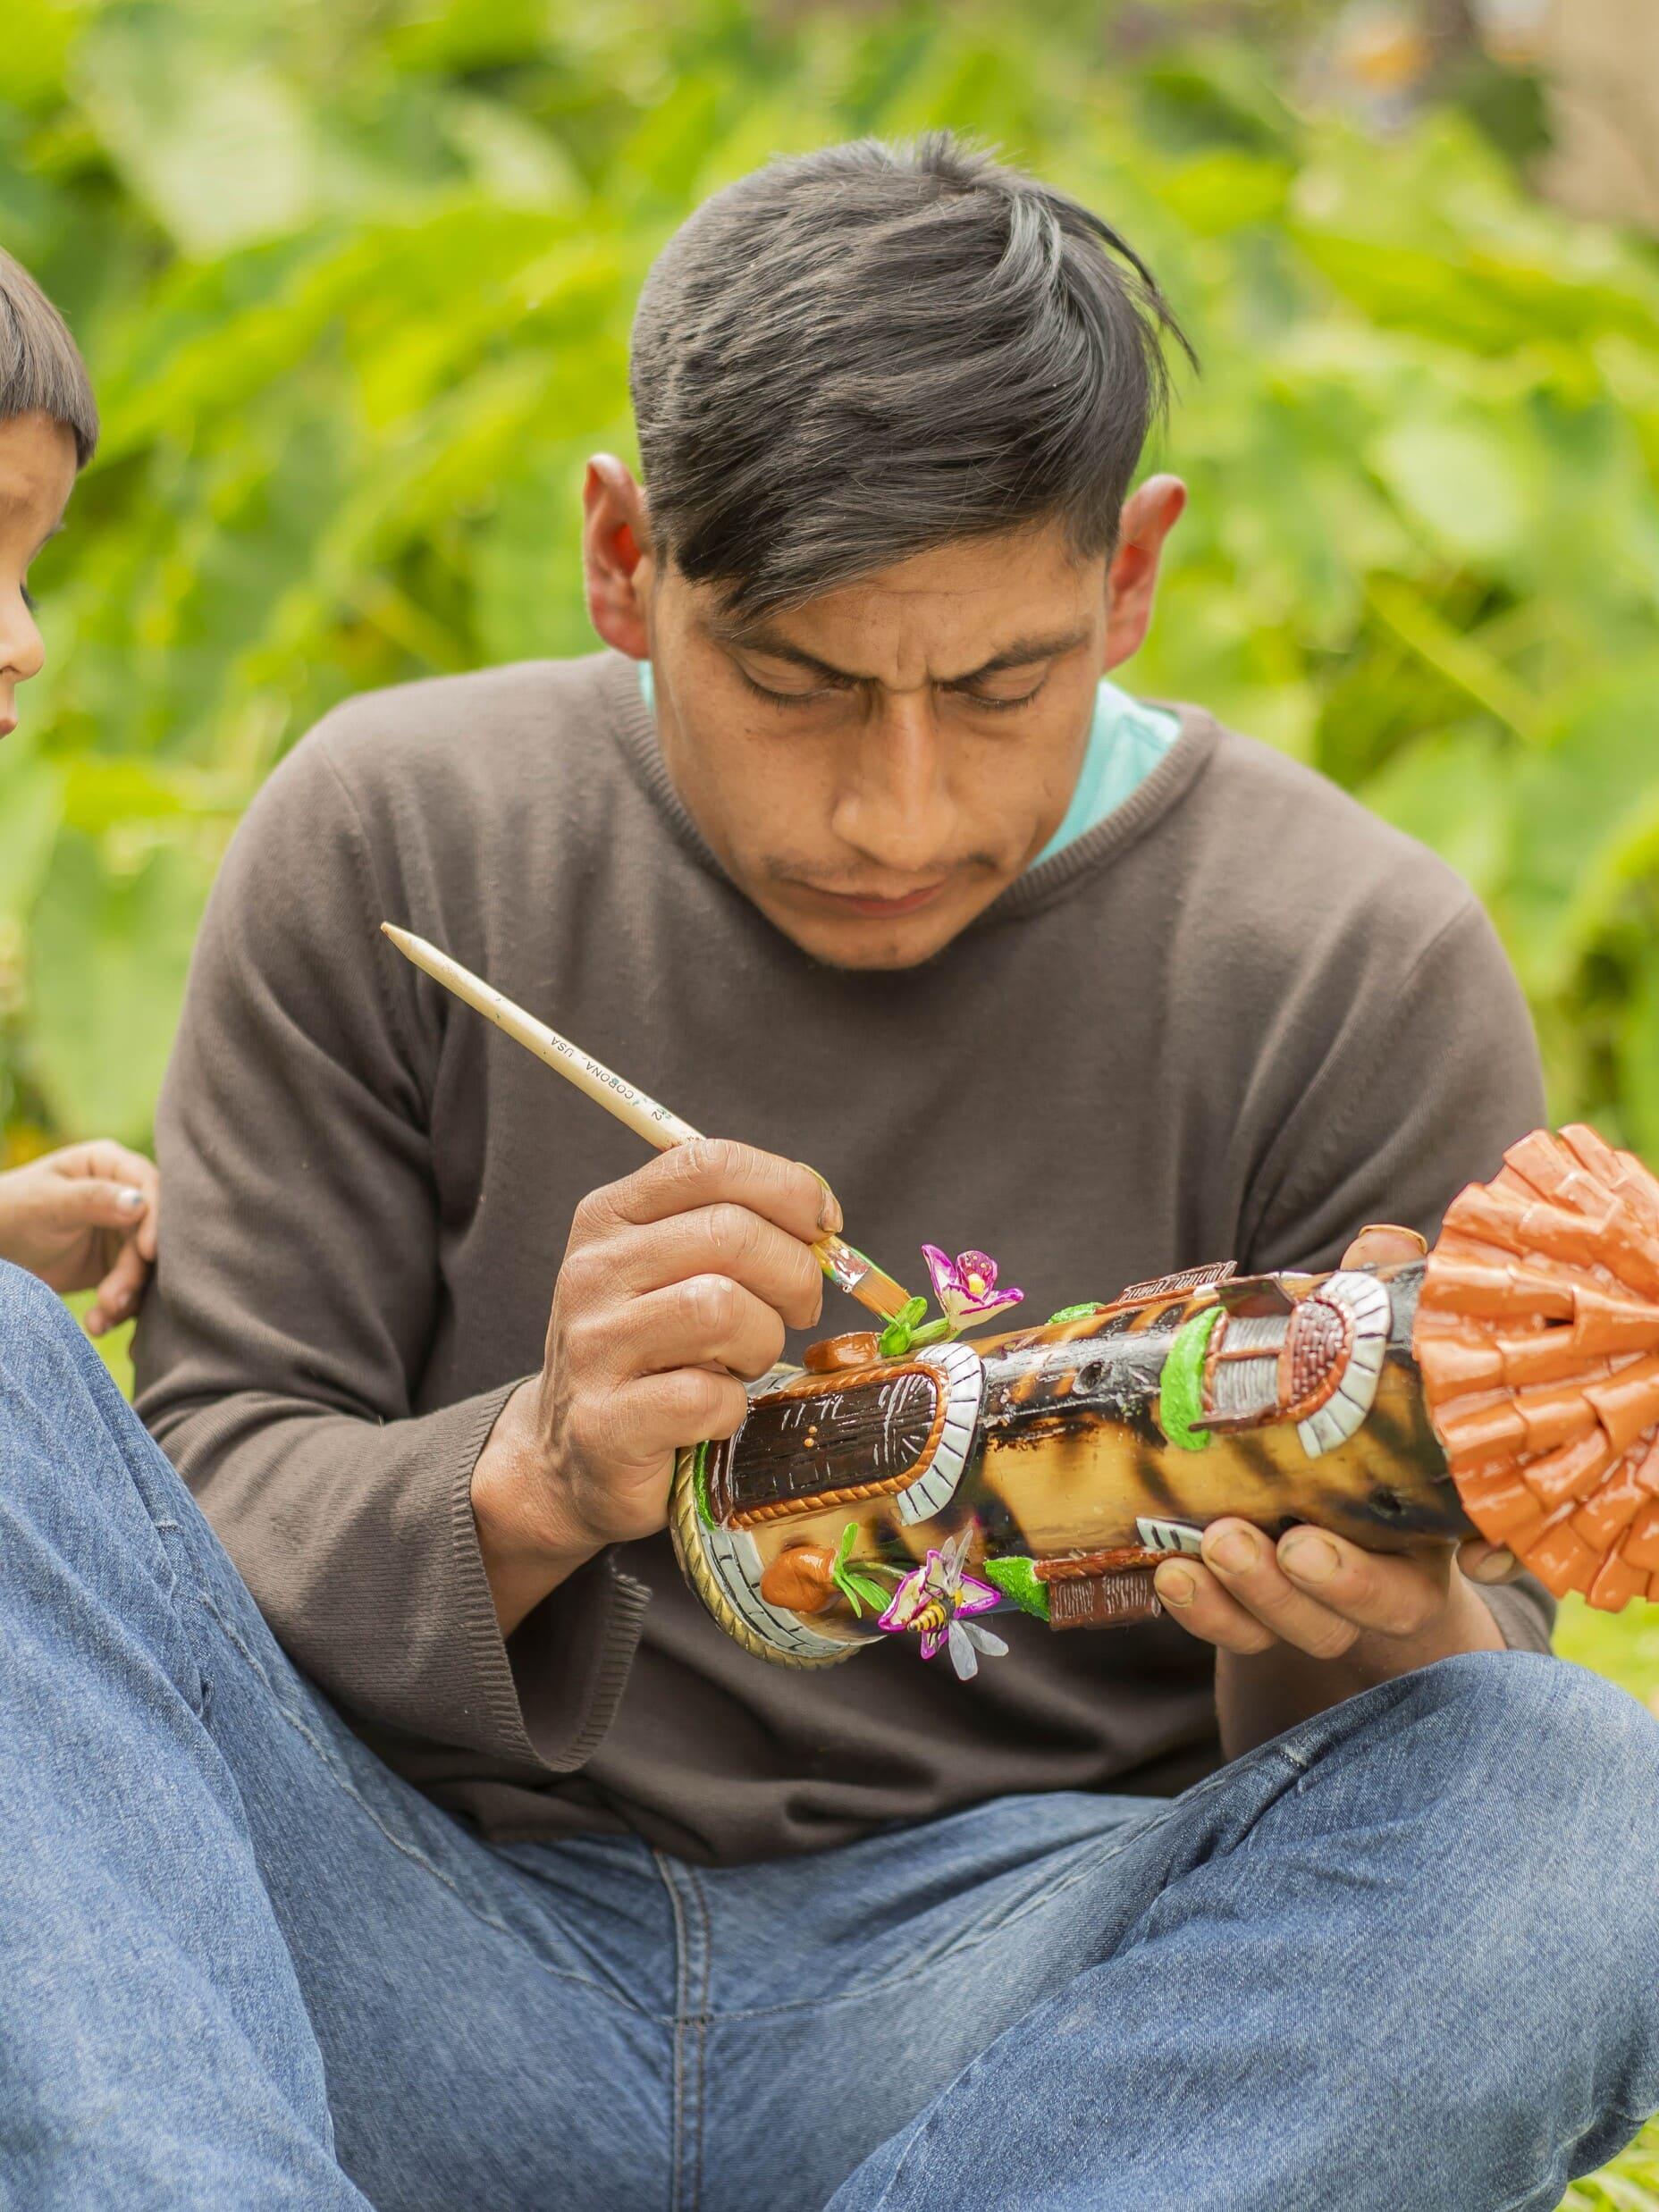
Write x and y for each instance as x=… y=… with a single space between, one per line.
x=83 y=1218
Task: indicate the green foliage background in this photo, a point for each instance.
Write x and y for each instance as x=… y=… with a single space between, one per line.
x=355 y=282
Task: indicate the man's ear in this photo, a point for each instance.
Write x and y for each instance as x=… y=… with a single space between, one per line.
x=1150 y=513
x=615 y=572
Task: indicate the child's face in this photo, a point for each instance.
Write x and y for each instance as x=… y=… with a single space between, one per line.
x=37 y=475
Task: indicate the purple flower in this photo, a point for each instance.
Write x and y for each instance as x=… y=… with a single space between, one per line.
x=933 y=1598
x=966 y=1287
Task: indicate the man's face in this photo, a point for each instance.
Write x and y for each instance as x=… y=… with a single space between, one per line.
x=36 y=474
x=872 y=768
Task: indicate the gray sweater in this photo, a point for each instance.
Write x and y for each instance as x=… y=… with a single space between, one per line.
x=1239 y=1017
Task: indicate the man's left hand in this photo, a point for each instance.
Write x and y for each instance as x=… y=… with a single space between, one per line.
x=1316 y=1593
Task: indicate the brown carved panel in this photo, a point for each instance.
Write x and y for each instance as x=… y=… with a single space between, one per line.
x=802 y=1448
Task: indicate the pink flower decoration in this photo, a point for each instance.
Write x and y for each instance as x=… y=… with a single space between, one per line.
x=966 y=1287
x=940 y=1582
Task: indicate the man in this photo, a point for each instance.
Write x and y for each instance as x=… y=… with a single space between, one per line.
x=520 y=1884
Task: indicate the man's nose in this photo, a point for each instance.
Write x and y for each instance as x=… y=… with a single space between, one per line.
x=895 y=806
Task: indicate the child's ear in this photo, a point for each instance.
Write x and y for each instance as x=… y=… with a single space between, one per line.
x=1150 y=513
x=615 y=571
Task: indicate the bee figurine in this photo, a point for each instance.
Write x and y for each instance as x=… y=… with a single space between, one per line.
x=933 y=1598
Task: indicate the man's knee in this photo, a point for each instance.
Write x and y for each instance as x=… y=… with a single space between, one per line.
x=61 y=1419
x=1552 y=1731
x=41 y=1344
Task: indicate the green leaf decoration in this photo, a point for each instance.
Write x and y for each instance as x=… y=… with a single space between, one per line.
x=1016 y=1577
x=858 y=1586
x=700 y=1484
x=874 y=1596
x=1181 y=1394
x=896 y=1339
x=1077 y=1313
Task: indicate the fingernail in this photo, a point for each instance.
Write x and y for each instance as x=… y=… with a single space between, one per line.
x=1233 y=1552
x=1496 y=1567
x=1310 y=1559
x=1175 y=1586
x=133 y=1200
x=828 y=1206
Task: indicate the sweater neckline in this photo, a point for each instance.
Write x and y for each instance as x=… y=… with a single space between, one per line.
x=634 y=726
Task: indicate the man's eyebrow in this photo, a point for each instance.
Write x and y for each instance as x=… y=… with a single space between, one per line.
x=756 y=637
x=1023 y=652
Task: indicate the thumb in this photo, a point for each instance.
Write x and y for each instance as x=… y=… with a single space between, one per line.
x=94 y=1202
x=1488 y=1562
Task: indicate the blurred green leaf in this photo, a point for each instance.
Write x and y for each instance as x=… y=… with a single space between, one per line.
x=39 y=36
x=109 y=954
x=29 y=822
x=1448 y=791
x=1586 y=825
x=221 y=152
x=1639 y=1056
x=1226 y=189
x=1466 y=480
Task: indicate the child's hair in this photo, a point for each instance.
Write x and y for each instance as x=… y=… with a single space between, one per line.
x=41 y=371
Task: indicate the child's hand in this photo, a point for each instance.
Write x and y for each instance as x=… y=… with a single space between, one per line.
x=82 y=1219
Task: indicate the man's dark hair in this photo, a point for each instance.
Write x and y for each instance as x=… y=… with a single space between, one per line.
x=854 y=355
x=41 y=371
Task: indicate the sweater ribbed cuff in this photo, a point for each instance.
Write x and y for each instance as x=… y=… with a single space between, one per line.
x=1523 y=1612
x=551 y=1690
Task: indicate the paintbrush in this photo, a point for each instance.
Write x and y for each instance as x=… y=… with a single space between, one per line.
x=845 y=1266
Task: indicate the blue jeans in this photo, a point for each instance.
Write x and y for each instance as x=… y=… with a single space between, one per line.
x=1404 y=1955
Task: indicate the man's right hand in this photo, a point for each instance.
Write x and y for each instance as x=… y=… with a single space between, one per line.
x=677 y=1283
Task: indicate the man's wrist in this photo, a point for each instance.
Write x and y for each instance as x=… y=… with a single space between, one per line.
x=1259 y=1694
x=1465 y=1623
x=527 y=1543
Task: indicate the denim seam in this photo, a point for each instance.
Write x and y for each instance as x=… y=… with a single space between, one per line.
x=676 y=2124
x=700 y=2045
x=399 y=1843
x=175 y=1565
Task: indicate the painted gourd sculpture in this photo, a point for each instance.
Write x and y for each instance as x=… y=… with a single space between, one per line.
x=1506 y=1384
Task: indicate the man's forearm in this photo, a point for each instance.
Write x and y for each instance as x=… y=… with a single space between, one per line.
x=1261 y=1694
x=524 y=1563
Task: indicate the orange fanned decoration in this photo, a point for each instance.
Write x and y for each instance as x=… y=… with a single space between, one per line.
x=1537 y=1334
